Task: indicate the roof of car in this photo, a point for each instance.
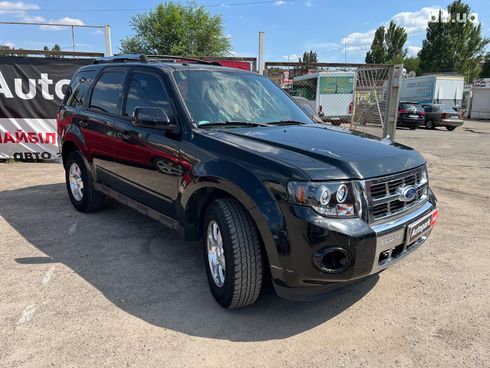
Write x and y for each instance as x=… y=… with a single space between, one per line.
x=160 y=61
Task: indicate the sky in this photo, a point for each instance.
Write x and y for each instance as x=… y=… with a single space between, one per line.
x=338 y=30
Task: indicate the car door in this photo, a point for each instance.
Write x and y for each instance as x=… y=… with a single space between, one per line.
x=147 y=158
x=97 y=120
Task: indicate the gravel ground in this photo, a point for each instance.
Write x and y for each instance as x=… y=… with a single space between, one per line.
x=114 y=288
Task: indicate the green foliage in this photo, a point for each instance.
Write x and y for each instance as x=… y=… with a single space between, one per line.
x=395 y=39
x=387 y=46
x=309 y=57
x=453 y=46
x=377 y=53
x=56 y=47
x=174 y=29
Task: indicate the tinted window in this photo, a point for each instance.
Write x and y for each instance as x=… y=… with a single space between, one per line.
x=146 y=90
x=78 y=88
x=427 y=108
x=107 y=91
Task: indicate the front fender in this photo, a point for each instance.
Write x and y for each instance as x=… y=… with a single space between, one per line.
x=244 y=186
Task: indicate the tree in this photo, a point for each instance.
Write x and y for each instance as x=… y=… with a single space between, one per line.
x=309 y=57
x=395 y=39
x=55 y=48
x=454 y=44
x=485 y=70
x=174 y=29
x=388 y=45
x=377 y=53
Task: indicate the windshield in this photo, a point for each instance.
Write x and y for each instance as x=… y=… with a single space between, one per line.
x=414 y=107
x=215 y=96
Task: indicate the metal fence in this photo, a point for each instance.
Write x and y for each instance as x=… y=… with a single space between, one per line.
x=361 y=97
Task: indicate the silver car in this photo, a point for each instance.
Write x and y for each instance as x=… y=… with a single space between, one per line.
x=441 y=115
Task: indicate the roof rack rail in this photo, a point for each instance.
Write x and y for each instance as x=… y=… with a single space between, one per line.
x=122 y=58
x=147 y=58
x=175 y=59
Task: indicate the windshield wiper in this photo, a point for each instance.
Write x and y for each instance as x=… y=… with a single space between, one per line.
x=249 y=123
x=285 y=122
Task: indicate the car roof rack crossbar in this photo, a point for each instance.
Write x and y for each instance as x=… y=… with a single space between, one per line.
x=122 y=58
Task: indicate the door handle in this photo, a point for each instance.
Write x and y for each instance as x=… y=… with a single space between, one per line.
x=124 y=135
x=83 y=123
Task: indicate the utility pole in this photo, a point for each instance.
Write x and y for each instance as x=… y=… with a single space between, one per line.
x=261 y=53
x=73 y=37
x=108 y=44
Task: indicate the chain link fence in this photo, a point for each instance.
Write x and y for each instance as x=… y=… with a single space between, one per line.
x=360 y=97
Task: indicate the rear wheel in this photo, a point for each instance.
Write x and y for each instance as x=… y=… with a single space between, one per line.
x=450 y=128
x=232 y=254
x=413 y=127
x=430 y=124
x=79 y=184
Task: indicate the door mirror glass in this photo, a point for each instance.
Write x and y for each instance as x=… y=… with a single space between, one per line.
x=151 y=117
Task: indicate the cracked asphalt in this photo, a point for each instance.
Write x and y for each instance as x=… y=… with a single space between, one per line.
x=114 y=288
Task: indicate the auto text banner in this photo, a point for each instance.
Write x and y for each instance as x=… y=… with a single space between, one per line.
x=31 y=90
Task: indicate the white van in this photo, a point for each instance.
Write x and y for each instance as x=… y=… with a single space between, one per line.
x=331 y=92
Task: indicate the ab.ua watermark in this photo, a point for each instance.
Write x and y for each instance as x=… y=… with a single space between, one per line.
x=454 y=18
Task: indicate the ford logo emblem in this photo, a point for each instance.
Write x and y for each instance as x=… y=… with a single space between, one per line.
x=406 y=194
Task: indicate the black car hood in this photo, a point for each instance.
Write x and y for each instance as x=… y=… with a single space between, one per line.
x=324 y=153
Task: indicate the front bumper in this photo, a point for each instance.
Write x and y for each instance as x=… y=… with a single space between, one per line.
x=373 y=248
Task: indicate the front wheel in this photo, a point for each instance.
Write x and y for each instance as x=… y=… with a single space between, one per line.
x=413 y=127
x=79 y=184
x=450 y=128
x=232 y=254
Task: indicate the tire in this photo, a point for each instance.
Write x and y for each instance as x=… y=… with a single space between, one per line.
x=430 y=125
x=450 y=128
x=86 y=199
x=336 y=123
x=412 y=127
x=239 y=283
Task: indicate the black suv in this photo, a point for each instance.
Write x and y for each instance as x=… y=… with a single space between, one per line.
x=226 y=156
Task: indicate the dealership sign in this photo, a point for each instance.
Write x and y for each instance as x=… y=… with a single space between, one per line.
x=31 y=90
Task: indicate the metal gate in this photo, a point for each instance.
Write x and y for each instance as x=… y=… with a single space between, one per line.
x=360 y=97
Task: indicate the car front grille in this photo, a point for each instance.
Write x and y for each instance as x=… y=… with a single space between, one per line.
x=384 y=195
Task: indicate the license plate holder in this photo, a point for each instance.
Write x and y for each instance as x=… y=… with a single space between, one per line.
x=418 y=228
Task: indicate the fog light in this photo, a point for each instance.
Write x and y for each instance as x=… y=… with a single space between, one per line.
x=332 y=260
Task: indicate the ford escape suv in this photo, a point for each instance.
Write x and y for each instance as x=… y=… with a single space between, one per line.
x=227 y=157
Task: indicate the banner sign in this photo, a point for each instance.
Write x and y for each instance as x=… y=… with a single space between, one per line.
x=31 y=89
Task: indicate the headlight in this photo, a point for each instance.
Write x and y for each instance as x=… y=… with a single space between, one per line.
x=329 y=199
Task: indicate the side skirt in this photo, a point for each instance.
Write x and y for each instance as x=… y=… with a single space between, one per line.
x=145 y=210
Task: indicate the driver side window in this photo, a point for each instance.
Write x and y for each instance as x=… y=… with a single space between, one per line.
x=146 y=90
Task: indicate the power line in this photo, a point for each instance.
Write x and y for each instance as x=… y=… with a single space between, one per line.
x=216 y=5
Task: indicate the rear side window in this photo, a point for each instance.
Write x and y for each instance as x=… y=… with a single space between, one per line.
x=146 y=90
x=78 y=88
x=107 y=90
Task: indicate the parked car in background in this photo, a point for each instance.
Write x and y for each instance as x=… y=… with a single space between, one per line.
x=442 y=115
x=410 y=114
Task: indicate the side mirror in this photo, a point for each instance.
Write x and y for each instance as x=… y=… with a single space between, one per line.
x=151 y=117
